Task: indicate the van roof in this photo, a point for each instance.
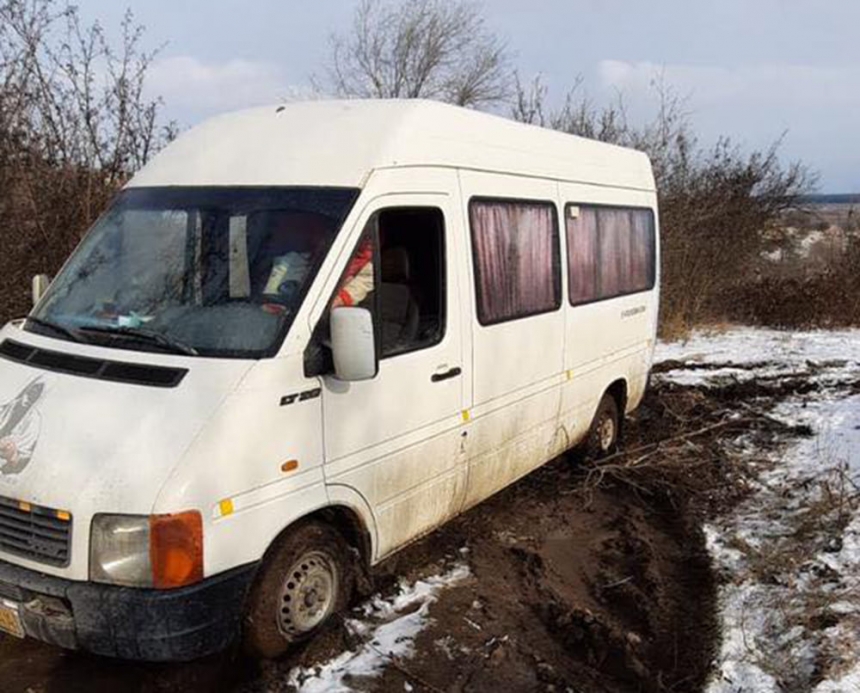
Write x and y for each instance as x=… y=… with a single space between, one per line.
x=338 y=143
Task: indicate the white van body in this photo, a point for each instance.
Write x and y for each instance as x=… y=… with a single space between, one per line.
x=255 y=444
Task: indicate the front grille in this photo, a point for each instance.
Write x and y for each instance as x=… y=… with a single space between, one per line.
x=40 y=534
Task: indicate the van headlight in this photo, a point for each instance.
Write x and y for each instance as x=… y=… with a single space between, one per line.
x=160 y=551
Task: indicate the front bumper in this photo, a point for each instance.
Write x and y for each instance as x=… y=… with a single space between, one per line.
x=144 y=624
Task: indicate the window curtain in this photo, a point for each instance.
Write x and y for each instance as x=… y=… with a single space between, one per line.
x=582 y=255
x=614 y=251
x=516 y=259
x=610 y=253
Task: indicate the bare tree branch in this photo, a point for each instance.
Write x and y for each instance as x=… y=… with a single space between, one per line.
x=74 y=125
x=420 y=49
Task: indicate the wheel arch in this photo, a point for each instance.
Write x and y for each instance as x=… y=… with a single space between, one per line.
x=618 y=390
x=343 y=518
x=349 y=523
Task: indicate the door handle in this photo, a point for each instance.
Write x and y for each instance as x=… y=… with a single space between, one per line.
x=447 y=375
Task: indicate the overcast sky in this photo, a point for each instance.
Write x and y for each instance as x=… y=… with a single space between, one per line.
x=752 y=69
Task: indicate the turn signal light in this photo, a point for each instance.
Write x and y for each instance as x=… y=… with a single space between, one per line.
x=176 y=549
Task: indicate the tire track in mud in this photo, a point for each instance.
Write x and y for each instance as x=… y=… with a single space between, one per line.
x=584 y=580
x=604 y=591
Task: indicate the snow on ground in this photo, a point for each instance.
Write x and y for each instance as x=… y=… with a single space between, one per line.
x=386 y=630
x=712 y=355
x=790 y=554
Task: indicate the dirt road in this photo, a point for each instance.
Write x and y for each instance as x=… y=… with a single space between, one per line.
x=579 y=578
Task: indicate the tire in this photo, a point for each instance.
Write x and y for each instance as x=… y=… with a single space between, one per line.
x=603 y=435
x=305 y=580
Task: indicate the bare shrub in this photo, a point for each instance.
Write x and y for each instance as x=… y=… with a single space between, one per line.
x=719 y=206
x=420 y=49
x=814 y=280
x=74 y=125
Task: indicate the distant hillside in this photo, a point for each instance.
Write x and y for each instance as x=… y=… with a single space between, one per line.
x=850 y=199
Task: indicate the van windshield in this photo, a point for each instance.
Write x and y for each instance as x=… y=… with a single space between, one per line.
x=201 y=271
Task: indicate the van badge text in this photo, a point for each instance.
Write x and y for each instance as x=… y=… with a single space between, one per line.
x=301 y=396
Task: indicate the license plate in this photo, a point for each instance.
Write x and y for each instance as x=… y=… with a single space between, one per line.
x=10 y=619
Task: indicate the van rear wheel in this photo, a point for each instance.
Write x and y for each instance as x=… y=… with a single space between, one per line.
x=604 y=432
x=305 y=580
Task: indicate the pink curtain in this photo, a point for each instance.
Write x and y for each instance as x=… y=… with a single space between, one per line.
x=516 y=259
x=582 y=255
x=610 y=252
x=614 y=251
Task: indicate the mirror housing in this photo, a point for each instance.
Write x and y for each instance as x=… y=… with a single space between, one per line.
x=353 y=344
x=40 y=286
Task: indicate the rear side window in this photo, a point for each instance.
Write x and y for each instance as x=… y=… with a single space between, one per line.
x=516 y=254
x=611 y=252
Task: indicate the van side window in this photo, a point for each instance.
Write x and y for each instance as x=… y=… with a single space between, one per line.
x=410 y=305
x=610 y=252
x=517 y=259
x=397 y=271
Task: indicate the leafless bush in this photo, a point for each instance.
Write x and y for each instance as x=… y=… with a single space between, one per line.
x=74 y=125
x=432 y=49
x=717 y=203
x=810 y=283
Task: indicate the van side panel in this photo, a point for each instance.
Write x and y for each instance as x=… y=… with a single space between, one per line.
x=517 y=365
x=606 y=340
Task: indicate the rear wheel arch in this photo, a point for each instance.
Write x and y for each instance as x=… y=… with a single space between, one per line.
x=618 y=389
x=607 y=423
x=620 y=392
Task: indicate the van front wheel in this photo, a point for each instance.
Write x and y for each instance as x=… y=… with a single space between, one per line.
x=603 y=435
x=305 y=580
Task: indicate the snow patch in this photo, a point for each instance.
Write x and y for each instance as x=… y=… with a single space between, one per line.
x=387 y=630
x=790 y=554
x=818 y=353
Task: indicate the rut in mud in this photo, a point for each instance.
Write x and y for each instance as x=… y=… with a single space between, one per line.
x=584 y=577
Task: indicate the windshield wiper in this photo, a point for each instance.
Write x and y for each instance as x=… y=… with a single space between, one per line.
x=66 y=332
x=145 y=336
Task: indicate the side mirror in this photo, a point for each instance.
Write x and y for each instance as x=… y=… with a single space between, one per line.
x=353 y=344
x=40 y=286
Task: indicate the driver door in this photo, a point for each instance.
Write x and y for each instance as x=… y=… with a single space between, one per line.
x=396 y=439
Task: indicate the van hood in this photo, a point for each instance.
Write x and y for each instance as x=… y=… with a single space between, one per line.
x=87 y=445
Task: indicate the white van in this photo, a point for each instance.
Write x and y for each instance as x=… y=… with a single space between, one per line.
x=300 y=338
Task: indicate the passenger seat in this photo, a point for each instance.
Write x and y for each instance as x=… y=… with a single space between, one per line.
x=397 y=305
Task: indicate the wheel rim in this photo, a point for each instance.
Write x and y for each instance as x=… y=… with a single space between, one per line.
x=309 y=593
x=606 y=433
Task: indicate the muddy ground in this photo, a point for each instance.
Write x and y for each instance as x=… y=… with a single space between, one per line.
x=584 y=577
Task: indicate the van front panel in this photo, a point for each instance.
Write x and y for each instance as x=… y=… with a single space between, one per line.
x=84 y=445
